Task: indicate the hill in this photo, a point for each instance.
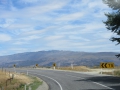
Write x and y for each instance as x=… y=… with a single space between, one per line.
x=64 y=58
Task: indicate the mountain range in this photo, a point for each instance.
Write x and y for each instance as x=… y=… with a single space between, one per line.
x=61 y=58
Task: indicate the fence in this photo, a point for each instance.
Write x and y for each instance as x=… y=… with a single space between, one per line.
x=9 y=83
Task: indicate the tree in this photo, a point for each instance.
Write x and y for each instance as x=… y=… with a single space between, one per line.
x=113 y=20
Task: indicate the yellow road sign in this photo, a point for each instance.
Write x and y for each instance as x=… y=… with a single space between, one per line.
x=107 y=65
x=54 y=64
x=36 y=65
x=14 y=65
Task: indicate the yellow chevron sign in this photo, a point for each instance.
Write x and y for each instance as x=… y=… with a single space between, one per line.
x=14 y=65
x=107 y=65
x=36 y=65
x=54 y=64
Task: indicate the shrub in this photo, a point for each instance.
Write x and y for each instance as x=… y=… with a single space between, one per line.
x=117 y=72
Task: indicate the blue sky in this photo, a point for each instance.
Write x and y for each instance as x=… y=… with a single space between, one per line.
x=36 y=25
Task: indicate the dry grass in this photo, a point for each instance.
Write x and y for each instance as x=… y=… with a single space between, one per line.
x=23 y=78
x=76 y=68
x=13 y=83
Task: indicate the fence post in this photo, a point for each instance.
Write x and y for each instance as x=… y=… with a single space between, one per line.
x=25 y=87
x=101 y=70
x=29 y=88
x=6 y=83
x=2 y=88
x=5 y=71
x=12 y=76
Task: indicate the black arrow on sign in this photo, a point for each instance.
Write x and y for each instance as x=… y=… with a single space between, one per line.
x=104 y=65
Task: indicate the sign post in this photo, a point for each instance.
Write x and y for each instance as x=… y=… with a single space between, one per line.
x=14 y=68
x=54 y=65
x=71 y=65
x=36 y=65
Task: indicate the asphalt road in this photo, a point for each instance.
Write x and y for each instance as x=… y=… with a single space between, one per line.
x=63 y=80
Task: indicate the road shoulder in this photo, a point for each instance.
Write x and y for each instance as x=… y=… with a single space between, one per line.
x=44 y=86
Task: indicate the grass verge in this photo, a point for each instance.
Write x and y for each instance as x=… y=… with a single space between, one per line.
x=36 y=83
x=18 y=82
x=117 y=72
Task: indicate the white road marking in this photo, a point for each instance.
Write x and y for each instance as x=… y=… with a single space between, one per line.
x=92 y=82
x=102 y=85
x=51 y=79
x=75 y=76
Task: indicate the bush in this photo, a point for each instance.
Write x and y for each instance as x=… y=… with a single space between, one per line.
x=117 y=72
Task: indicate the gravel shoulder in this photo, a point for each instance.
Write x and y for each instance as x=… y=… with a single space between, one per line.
x=44 y=86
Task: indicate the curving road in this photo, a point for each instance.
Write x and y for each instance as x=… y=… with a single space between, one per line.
x=64 y=80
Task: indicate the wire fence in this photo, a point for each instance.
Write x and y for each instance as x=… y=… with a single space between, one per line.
x=7 y=82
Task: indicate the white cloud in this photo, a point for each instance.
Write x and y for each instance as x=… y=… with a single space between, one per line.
x=29 y=1
x=69 y=17
x=57 y=24
x=28 y=38
x=33 y=11
x=18 y=50
x=97 y=4
x=79 y=38
x=20 y=43
x=104 y=35
x=33 y=32
x=58 y=43
x=19 y=26
x=53 y=37
x=4 y=37
x=7 y=23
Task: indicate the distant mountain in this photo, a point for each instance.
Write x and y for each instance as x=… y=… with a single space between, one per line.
x=63 y=58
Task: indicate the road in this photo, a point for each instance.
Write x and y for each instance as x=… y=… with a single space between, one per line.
x=64 y=80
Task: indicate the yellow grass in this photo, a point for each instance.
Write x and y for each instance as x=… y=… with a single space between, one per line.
x=15 y=83
x=75 y=68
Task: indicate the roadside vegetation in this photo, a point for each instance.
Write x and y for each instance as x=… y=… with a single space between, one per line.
x=114 y=72
x=35 y=84
x=75 y=68
x=13 y=81
x=117 y=72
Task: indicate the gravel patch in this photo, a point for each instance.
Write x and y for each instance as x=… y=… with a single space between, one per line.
x=44 y=86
